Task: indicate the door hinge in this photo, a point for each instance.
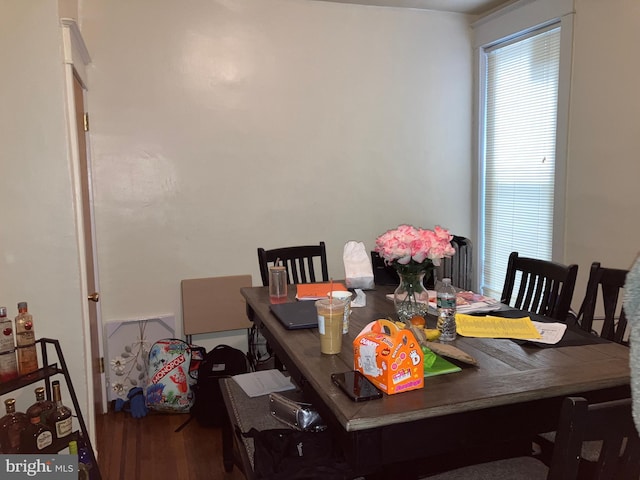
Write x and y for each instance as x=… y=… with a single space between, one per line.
x=85 y=119
x=101 y=364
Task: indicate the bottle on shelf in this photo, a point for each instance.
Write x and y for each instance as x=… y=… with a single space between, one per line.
x=42 y=405
x=85 y=464
x=60 y=419
x=8 y=362
x=36 y=436
x=83 y=470
x=446 y=300
x=26 y=341
x=11 y=427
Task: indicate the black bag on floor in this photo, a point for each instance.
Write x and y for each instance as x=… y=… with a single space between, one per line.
x=287 y=454
x=223 y=361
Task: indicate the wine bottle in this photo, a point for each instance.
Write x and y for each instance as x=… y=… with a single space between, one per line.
x=26 y=341
x=36 y=436
x=85 y=465
x=44 y=406
x=8 y=362
x=11 y=426
x=60 y=419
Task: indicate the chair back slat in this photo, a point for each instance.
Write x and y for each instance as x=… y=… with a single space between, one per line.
x=545 y=287
x=300 y=263
x=608 y=282
x=457 y=267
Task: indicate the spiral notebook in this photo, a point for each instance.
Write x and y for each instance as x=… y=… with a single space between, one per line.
x=296 y=315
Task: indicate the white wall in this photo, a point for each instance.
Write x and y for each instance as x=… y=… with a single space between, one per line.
x=603 y=204
x=226 y=126
x=38 y=244
x=197 y=113
x=603 y=168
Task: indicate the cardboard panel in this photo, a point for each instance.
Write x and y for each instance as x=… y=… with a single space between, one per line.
x=214 y=304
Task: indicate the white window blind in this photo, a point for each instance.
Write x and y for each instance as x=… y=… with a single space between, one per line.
x=519 y=152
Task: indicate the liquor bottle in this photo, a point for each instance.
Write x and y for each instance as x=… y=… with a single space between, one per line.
x=36 y=436
x=26 y=341
x=42 y=405
x=11 y=426
x=8 y=362
x=446 y=298
x=60 y=419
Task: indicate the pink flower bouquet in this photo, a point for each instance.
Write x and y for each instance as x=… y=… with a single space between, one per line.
x=408 y=245
x=413 y=252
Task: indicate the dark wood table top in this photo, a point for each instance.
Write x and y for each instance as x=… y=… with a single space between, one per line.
x=510 y=378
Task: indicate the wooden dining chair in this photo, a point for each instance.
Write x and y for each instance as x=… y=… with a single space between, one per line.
x=459 y=266
x=545 y=287
x=301 y=263
x=609 y=281
x=609 y=422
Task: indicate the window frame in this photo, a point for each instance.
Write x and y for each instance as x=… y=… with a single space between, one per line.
x=511 y=22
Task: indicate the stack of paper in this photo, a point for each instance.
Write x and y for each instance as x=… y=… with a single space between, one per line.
x=262 y=382
x=496 y=327
x=518 y=328
x=467 y=302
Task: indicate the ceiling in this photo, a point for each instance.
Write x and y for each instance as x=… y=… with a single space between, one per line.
x=472 y=7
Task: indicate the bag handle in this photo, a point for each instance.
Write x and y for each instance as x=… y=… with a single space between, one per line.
x=381 y=323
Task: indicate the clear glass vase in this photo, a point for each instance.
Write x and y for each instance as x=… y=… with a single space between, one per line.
x=411 y=297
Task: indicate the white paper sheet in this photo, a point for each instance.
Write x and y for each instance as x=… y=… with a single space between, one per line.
x=551 y=332
x=263 y=382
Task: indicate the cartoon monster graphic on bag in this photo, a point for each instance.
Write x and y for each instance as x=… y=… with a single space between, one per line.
x=173 y=371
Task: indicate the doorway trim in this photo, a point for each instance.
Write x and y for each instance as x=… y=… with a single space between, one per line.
x=76 y=58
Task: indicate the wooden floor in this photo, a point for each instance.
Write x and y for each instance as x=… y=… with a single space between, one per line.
x=149 y=449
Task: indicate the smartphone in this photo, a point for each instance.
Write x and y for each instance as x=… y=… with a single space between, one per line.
x=356 y=386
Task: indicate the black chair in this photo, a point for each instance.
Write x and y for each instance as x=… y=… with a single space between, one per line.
x=459 y=267
x=610 y=281
x=609 y=422
x=545 y=287
x=300 y=261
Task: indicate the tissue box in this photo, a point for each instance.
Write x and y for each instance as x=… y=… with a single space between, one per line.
x=389 y=356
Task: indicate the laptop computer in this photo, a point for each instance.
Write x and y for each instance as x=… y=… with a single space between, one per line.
x=296 y=315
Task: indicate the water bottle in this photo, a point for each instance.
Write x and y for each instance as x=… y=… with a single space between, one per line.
x=446 y=310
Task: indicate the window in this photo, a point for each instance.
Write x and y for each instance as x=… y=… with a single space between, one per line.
x=516 y=211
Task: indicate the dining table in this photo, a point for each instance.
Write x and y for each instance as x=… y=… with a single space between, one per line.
x=484 y=411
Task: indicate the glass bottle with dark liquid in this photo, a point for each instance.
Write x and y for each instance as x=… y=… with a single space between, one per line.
x=11 y=426
x=60 y=419
x=36 y=436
